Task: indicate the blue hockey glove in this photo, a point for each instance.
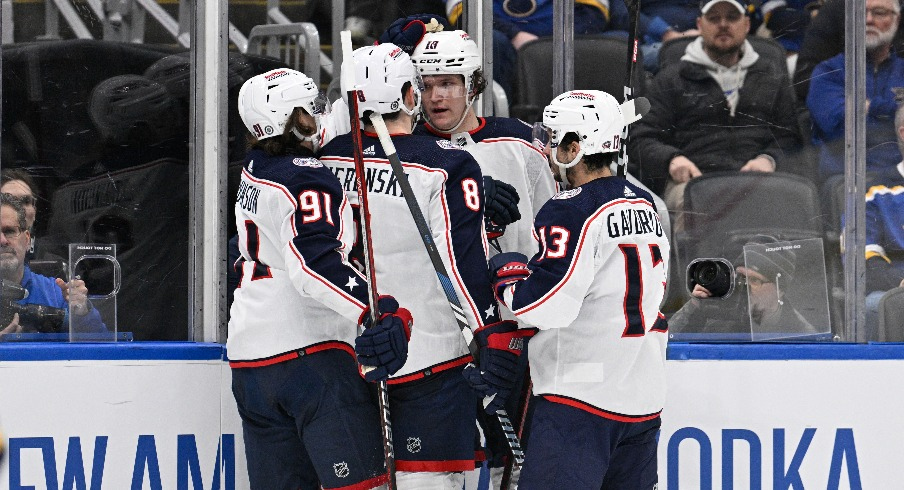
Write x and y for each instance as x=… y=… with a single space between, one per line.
x=500 y=202
x=500 y=361
x=384 y=346
x=407 y=32
x=505 y=269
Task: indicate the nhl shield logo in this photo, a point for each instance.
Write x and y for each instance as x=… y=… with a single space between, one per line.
x=413 y=444
x=341 y=469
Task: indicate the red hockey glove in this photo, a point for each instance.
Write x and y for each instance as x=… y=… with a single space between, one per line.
x=505 y=269
x=501 y=345
x=384 y=346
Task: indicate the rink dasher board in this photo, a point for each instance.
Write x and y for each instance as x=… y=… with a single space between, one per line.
x=825 y=415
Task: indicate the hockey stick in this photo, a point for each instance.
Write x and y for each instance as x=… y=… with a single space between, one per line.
x=348 y=74
x=634 y=20
x=528 y=388
x=438 y=266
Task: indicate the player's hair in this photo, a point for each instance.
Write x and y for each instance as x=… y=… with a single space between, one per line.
x=594 y=162
x=478 y=82
x=284 y=144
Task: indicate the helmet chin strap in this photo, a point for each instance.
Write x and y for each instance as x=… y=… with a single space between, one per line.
x=461 y=120
x=563 y=167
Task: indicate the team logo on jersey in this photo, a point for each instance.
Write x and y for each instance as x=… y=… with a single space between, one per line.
x=341 y=469
x=413 y=444
x=370 y=150
x=307 y=162
x=251 y=166
x=447 y=145
x=352 y=282
x=568 y=194
x=629 y=192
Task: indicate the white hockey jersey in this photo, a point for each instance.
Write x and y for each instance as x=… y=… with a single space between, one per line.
x=449 y=187
x=297 y=288
x=505 y=150
x=594 y=292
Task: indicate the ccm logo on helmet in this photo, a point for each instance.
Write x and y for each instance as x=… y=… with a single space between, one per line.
x=276 y=75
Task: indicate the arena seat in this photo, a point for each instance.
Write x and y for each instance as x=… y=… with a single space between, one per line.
x=891 y=316
x=600 y=64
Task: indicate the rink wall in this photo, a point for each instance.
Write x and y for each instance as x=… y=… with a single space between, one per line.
x=161 y=416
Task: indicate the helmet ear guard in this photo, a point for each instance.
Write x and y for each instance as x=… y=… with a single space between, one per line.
x=595 y=117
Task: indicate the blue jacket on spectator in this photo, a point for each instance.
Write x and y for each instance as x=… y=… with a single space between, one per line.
x=658 y=16
x=826 y=104
x=43 y=290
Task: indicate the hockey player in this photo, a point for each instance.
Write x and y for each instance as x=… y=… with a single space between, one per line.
x=450 y=64
x=433 y=408
x=308 y=419
x=594 y=291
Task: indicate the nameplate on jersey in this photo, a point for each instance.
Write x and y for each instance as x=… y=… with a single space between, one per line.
x=247 y=197
x=307 y=162
x=633 y=222
x=568 y=194
x=379 y=180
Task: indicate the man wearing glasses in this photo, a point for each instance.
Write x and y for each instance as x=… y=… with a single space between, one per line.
x=54 y=295
x=764 y=272
x=884 y=72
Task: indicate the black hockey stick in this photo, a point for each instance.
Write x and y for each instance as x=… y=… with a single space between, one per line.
x=633 y=21
x=527 y=390
x=348 y=73
x=440 y=268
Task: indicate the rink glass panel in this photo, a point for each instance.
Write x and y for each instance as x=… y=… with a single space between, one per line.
x=120 y=174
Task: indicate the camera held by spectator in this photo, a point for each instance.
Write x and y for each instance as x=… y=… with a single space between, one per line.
x=46 y=319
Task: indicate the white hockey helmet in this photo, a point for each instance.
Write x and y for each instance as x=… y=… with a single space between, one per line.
x=267 y=100
x=448 y=53
x=380 y=73
x=595 y=116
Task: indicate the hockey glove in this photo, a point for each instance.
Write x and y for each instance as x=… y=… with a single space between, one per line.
x=501 y=345
x=506 y=269
x=384 y=346
x=500 y=202
x=407 y=32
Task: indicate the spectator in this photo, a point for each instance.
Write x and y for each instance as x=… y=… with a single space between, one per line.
x=722 y=107
x=824 y=39
x=885 y=70
x=787 y=21
x=19 y=184
x=664 y=20
x=517 y=22
x=758 y=303
x=884 y=233
x=42 y=290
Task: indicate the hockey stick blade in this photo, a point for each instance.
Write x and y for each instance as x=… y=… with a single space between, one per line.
x=440 y=268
